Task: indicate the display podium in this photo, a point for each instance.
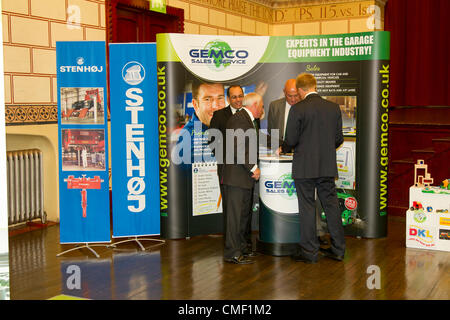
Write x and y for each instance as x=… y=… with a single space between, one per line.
x=279 y=229
x=428 y=219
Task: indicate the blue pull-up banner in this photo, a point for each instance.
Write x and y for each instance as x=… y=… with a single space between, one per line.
x=83 y=142
x=134 y=140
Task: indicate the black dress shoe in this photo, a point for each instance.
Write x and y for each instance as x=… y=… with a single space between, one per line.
x=302 y=258
x=239 y=260
x=249 y=253
x=323 y=241
x=330 y=254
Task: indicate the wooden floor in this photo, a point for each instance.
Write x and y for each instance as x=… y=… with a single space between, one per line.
x=193 y=269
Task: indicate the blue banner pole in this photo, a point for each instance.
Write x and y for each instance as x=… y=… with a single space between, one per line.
x=134 y=141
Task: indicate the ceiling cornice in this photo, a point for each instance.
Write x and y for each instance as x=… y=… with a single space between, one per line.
x=300 y=3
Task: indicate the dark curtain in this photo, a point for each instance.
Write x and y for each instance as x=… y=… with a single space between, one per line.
x=419 y=52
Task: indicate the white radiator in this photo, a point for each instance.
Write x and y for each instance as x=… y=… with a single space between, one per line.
x=25 y=186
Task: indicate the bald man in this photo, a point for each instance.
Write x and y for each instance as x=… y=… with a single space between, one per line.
x=279 y=109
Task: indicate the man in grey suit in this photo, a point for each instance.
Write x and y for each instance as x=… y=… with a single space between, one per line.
x=279 y=109
x=314 y=129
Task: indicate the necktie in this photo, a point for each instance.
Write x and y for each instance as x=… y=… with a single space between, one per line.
x=256 y=125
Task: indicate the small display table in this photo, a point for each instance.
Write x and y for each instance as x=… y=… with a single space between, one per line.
x=428 y=219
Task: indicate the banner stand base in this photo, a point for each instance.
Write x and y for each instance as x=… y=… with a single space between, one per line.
x=88 y=246
x=139 y=243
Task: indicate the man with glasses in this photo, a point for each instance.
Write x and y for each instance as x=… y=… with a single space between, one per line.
x=235 y=96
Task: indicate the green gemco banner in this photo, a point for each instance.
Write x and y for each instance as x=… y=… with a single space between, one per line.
x=351 y=70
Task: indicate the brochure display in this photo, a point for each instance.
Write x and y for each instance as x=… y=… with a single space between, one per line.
x=428 y=219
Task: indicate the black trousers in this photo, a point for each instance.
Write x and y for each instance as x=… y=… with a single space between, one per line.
x=238 y=203
x=326 y=191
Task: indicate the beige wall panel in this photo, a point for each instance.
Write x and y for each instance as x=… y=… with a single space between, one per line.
x=262 y=29
x=208 y=30
x=7 y=89
x=191 y=28
x=61 y=32
x=16 y=59
x=217 y=18
x=95 y=34
x=5 y=28
x=29 y=31
x=199 y=14
x=223 y=32
x=55 y=89
x=89 y=11
x=234 y=22
x=248 y=26
x=334 y=27
x=309 y=28
x=28 y=89
x=44 y=61
x=17 y=6
x=54 y=9
x=282 y=30
x=102 y=16
x=359 y=25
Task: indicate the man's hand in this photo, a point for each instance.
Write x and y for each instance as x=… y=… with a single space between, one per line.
x=278 y=151
x=256 y=174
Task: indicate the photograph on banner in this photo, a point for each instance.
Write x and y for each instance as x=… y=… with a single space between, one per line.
x=193 y=79
x=346 y=164
x=348 y=112
x=191 y=113
x=82 y=106
x=83 y=149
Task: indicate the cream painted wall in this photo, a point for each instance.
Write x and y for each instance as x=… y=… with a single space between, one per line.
x=30 y=31
x=326 y=18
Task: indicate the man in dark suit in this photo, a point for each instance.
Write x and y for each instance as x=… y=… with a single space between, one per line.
x=279 y=109
x=235 y=96
x=314 y=129
x=277 y=120
x=219 y=120
x=239 y=175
